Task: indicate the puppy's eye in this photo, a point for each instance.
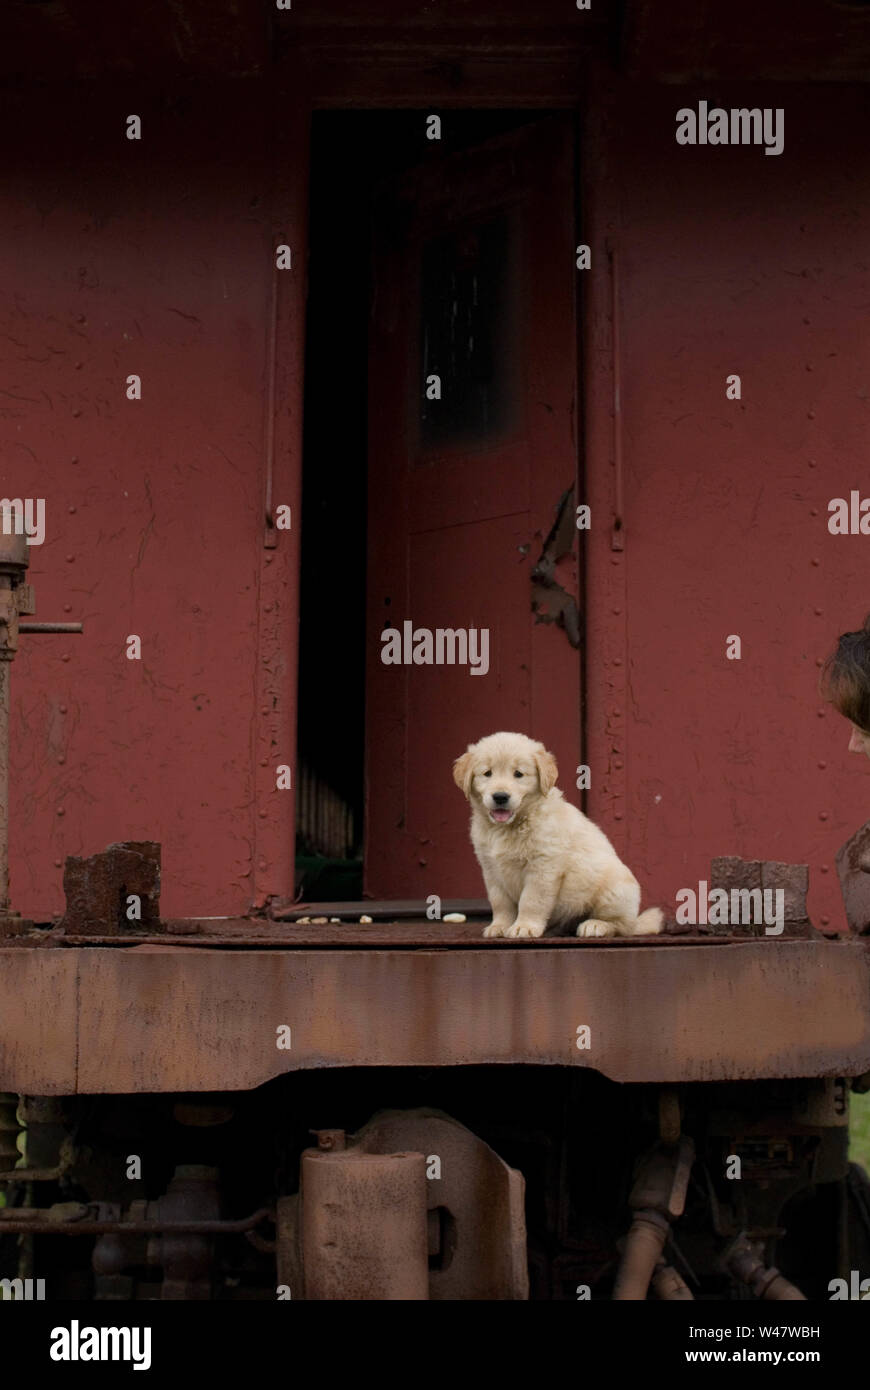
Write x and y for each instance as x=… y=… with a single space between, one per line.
x=519 y=774
x=487 y=774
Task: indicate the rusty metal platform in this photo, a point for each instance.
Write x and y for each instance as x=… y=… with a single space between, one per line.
x=169 y=1015
x=251 y=932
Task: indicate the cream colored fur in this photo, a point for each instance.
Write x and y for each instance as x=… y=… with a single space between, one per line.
x=549 y=864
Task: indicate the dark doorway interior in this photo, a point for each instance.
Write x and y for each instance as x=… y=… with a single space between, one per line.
x=351 y=152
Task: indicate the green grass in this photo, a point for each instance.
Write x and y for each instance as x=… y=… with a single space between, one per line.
x=859 y=1129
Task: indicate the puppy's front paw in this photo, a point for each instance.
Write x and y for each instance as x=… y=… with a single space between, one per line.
x=596 y=928
x=497 y=929
x=525 y=929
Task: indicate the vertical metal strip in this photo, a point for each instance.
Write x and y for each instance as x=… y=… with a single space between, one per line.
x=4 y=786
x=617 y=538
x=274 y=724
x=605 y=657
x=270 y=538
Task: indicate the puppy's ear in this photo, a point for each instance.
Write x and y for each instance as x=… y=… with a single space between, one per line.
x=462 y=773
x=547 y=767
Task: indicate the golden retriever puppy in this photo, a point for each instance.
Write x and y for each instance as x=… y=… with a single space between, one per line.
x=544 y=863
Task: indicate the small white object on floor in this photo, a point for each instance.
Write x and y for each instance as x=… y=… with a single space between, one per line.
x=365 y=919
x=454 y=917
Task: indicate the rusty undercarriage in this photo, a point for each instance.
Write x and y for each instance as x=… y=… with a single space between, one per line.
x=553 y=1119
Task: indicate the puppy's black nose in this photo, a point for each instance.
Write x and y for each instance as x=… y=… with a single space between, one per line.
x=501 y=798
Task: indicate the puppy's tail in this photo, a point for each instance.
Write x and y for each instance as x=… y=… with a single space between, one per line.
x=650 y=922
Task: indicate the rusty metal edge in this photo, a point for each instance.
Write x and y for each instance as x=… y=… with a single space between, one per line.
x=378 y=942
x=174 y=1018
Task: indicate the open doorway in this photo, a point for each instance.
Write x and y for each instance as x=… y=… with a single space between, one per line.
x=354 y=156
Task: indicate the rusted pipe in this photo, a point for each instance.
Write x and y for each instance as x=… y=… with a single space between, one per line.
x=668 y=1284
x=742 y=1260
x=50 y=627
x=643 y=1249
x=657 y=1198
x=18 y=1223
x=34 y=1174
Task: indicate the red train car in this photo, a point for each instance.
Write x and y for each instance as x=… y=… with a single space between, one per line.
x=375 y=378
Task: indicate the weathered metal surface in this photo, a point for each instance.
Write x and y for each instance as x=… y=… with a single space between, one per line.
x=364 y=1232
x=476 y=1204
x=14 y=559
x=98 y=889
x=853 y=867
x=250 y=932
x=16 y=598
x=787 y=38
x=276 y=673
x=732 y=874
x=39 y=1020
x=174 y=35
x=781 y=39
x=175 y=746
x=551 y=601
x=705 y=772
x=177 y=1018
x=684 y=764
x=793 y=881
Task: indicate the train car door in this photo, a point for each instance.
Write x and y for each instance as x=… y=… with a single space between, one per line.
x=472 y=581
